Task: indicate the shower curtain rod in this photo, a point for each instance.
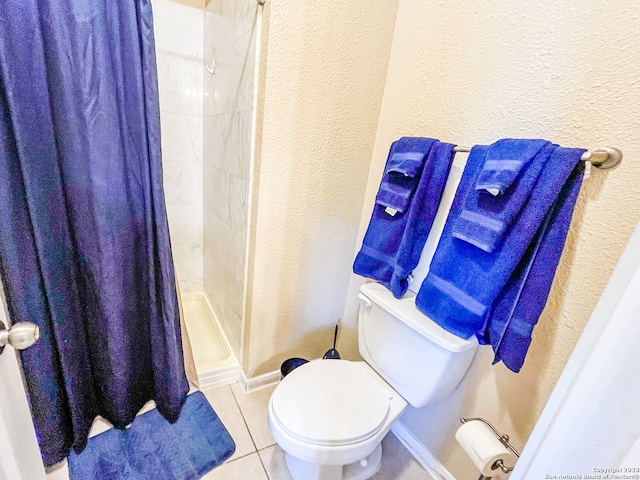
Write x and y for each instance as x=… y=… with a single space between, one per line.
x=603 y=158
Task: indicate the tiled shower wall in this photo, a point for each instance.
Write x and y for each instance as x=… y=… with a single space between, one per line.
x=206 y=65
x=179 y=47
x=229 y=57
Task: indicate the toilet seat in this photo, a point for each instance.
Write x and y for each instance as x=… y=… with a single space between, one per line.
x=330 y=403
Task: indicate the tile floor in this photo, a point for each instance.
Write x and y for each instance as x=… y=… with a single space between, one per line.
x=257 y=457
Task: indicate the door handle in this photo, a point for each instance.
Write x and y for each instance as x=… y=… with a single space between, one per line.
x=20 y=335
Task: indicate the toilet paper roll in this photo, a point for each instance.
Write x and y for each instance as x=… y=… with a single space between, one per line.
x=482 y=446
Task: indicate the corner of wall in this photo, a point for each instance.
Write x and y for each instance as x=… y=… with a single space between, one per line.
x=314 y=136
x=262 y=52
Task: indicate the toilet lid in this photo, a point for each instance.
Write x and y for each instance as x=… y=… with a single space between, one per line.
x=330 y=402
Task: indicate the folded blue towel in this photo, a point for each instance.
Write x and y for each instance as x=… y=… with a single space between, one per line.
x=515 y=312
x=464 y=282
x=421 y=215
x=486 y=218
x=505 y=159
x=392 y=244
x=405 y=164
x=402 y=172
x=443 y=295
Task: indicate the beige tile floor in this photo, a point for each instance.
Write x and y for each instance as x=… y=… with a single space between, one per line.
x=257 y=457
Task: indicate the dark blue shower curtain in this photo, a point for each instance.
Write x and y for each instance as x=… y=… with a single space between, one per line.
x=84 y=241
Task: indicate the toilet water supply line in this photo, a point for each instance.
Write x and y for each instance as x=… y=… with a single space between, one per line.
x=504 y=439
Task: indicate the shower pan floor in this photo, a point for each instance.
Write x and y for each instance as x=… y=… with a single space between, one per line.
x=215 y=363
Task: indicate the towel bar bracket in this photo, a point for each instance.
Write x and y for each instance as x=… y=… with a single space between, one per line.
x=602 y=158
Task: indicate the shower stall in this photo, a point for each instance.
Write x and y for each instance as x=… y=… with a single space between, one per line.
x=206 y=68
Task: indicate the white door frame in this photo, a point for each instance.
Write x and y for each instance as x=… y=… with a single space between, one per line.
x=591 y=422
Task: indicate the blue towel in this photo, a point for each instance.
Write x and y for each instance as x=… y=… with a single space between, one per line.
x=421 y=215
x=486 y=218
x=392 y=244
x=505 y=159
x=515 y=312
x=154 y=449
x=402 y=172
x=464 y=282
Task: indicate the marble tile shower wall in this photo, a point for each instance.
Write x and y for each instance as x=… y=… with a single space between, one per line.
x=179 y=53
x=229 y=56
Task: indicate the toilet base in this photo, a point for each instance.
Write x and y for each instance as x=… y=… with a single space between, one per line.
x=361 y=470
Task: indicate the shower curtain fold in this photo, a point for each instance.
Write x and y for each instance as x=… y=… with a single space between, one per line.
x=84 y=243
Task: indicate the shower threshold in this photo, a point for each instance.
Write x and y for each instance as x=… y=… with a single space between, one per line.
x=216 y=364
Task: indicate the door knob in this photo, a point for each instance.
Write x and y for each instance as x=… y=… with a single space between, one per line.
x=20 y=336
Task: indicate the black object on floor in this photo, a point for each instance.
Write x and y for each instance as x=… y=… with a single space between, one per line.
x=291 y=364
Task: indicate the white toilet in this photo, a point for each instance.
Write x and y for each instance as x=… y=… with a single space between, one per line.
x=330 y=416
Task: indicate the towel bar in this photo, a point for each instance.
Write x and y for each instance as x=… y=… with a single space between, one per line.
x=603 y=158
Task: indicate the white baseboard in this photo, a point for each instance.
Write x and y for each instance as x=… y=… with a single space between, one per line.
x=234 y=373
x=261 y=381
x=430 y=463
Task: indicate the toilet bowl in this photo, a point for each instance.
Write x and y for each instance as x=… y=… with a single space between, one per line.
x=330 y=416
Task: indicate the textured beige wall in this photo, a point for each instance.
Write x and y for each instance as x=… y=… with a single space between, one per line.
x=322 y=73
x=472 y=72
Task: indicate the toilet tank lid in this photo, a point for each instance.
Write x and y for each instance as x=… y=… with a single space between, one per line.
x=405 y=310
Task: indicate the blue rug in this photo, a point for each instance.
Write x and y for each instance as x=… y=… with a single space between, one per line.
x=154 y=449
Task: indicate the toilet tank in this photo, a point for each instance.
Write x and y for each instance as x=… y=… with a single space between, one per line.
x=421 y=361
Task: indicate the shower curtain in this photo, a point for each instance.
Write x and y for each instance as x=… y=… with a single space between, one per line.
x=84 y=241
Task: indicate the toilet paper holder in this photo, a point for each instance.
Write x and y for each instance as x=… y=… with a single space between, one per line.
x=502 y=437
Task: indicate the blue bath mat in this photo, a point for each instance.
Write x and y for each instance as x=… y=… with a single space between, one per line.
x=154 y=449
